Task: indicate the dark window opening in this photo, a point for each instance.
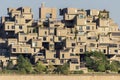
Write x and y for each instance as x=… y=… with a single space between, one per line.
x=25 y=38
x=72 y=50
x=20 y=27
x=104 y=51
x=13 y=27
x=34 y=50
x=87 y=27
x=81 y=50
x=73 y=44
x=53 y=61
x=59 y=38
x=62 y=55
x=116 y=51
x=54 y=55
x=45 y=32
x=14 y=49
x=61 y=61
x=44 y=38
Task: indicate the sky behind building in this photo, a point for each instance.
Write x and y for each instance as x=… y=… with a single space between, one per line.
x=110 y=5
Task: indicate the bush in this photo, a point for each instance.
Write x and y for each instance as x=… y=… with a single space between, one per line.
x=40 y=68
x=63 y=69
x=78 y=72
x=24 y=65
x=96 y=61
x=114 y=66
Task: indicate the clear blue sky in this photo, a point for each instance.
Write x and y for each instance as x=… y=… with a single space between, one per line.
x=111 y=5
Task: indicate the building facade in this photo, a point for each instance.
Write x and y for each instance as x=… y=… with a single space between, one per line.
x=57 y=41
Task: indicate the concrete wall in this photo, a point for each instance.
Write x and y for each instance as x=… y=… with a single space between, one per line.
x=47 y=77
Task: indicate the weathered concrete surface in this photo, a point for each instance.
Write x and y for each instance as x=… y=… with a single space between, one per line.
x=56 y=77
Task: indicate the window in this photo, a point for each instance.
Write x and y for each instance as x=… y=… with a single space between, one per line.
x=14 y=49
x=80 y=28
x=80 y=43
x=81 y=16
x=77 y=67
x=61 y=61
x=71 y=54
x=81 y=50
x=44 y=38
x=51 y=39
x=59 y=38
x=81 y=33
x=25 y=38
x=54 y=55
x=45 y=32
x=87 y=27
x=23 y=10
x=34 y=50
x=6 y=33
x=20 y=27
x=79 y=38
x=104 y=51
x=116 y=51
x=7 y=60
x=62 y=55
x=72 y=50
x=73 y=44
x=53 y=61
x=8 y=27
x=13 y=27
x=68 y=16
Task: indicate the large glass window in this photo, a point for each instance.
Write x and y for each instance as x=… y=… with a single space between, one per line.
x=59 y=38
x=62 y=55
x=80 y=28
x=81 y=16
x=54 y=55
x=81 y=50
x=77 y=67
x=14 y=49
x=20 y=27
x=44 y=38
x=25 y=38
x=116 y=51
x=13 y=27
x=104 y=51
x=71 y=54
x=87 y=27
x=45 y=32
x=73 y=44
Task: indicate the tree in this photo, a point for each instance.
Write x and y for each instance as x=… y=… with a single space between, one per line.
x=96 y=61
x=50 y=68
x=40 y=68
x=64 y=69
x=10 y=65
x=114 y=66
x=24 y=65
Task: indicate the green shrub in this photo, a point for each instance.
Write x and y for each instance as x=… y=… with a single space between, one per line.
x=78 y=72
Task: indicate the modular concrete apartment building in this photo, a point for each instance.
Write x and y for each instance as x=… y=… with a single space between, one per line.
x=57 y=41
